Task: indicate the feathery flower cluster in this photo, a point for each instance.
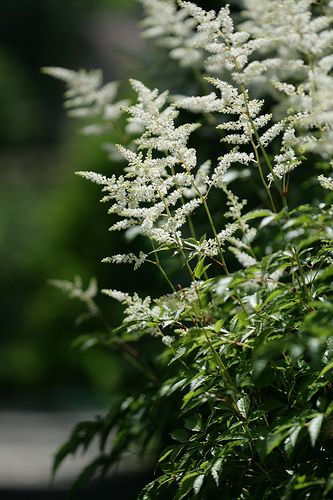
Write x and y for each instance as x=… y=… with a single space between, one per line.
x=75 y=290
x=291 y=40
x=326 y=182
x=173 y=29
x=243 y=257
x=289 y=25
x=226 y=48
x=87 y=97
x=160 y=175
x=148 y=195
x=287 y=160
x=127 y=258
x=137 y=310
x=301 y=44
x=196 y=37
x=211 y=247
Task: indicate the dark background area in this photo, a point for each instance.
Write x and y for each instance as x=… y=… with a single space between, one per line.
x=51 y=224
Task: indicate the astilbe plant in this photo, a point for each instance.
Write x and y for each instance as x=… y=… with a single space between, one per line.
x=239 y=388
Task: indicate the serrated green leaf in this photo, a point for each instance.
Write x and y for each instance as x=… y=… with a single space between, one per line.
x=314 y=427
x=179 y=353
x=190 y=395
x=186 y=485
x=243 y=405
x=307 y=242
x=290 y=441
x=218 y=325
x=198 y=483
x=215 y=470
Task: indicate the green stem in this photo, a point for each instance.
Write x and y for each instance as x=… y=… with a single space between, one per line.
x=158 y=264
x=212 y=225
x=179 y=243
x=302 y=275
x=261 y=173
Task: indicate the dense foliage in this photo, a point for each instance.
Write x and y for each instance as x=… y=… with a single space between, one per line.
x=236 y=361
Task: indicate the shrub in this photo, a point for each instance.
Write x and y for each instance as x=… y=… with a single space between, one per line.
x=236 y=382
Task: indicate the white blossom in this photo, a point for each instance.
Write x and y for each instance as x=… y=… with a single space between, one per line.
x=287 y=160
x=225 y=162
x=235 y=205
x=199 y=104
x=173 y=29
x=137 y=310
x=74 y=289
x=270 y=134
x=211 y=247
x=94 y=177
x=86 y=96
x=326 y=182
x=243 y=258
x=128 y=258
x=168 y=340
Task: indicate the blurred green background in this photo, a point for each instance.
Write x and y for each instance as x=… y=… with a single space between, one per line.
x=51 y=223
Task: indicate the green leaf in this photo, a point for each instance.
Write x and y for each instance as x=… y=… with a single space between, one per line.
x=180 y=435
x=274 y=294
x=190 y=395
x=179 y=353
x=243 y=405
x=186 y=485
x=200 y=269
x=84 y=342
x=215 y=470
x=265 y=445
x=166 y=454
x=218 y=325
x=257 y=214
x=314 y=427
x=98 y=467
x=81 y=437
x=291 y=440
x=307 y=242
x=309 y=484
x=266 y=221
x=325 y=370
x=194 y=423
x=198 y=483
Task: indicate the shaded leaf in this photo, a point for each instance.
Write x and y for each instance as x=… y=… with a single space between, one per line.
x=180 y=435
x=314 y=427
